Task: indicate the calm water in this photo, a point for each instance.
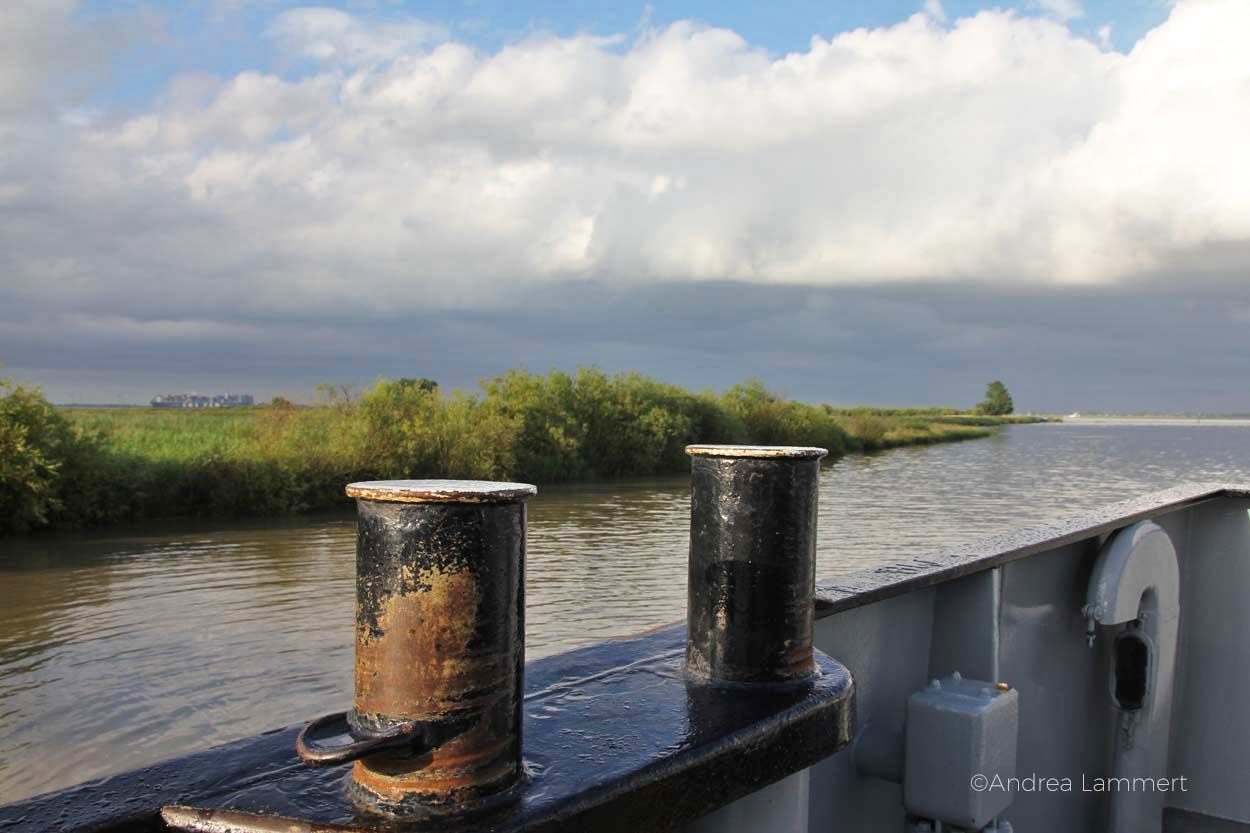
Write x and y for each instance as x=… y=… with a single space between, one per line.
x=121 y=648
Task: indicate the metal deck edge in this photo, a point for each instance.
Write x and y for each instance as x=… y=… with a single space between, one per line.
x=876 y=583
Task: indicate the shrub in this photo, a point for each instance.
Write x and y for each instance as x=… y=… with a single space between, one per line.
x=49 y=468
x=868 y=429
x=549 y=428
x=89 y=467
x=770 y=420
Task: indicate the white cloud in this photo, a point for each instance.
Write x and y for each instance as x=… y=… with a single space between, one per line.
x=330 y=35
x=35 y=40
x=933 y=8
x=408 y=172
x=1062 y=9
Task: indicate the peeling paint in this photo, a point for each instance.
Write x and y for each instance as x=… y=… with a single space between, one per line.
x=440 y=640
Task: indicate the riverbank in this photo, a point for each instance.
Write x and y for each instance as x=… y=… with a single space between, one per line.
x=1183 y=421
x=100 y=466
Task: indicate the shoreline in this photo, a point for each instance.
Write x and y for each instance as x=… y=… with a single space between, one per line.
x=964 y=433
x=1216 y=422
x=99 y=467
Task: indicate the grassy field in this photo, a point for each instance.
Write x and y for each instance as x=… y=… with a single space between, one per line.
x=99 y=466
x=171 y=435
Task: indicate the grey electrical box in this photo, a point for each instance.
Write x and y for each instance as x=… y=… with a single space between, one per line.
x=960 y=751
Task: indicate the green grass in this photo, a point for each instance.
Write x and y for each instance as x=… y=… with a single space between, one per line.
x=988 y=420
x=171 y=435
x=101 y=466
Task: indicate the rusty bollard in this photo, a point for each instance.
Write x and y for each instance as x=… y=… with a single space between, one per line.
x=440 y=648
x=752 y=578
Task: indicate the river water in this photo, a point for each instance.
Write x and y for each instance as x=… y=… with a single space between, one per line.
x=123 y=647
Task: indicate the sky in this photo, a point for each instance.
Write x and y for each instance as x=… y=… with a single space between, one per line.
x=858 y=203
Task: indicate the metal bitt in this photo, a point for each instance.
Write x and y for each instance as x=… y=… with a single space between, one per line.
x=752 y=563
x=440 y=633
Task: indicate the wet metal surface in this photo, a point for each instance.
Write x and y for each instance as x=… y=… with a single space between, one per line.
x=752 y=566
x=617 y=738
x=331 y=739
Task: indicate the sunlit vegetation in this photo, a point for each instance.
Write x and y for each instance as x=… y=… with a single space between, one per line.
x=37 y=447
x=85 y=467
x=997 y=400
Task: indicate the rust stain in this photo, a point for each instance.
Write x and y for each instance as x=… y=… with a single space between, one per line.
x=798 y=661
x=420 y=660
x=425 y=661
x=441 y=775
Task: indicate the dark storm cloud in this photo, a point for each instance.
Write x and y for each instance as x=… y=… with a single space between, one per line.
x=1152 y=347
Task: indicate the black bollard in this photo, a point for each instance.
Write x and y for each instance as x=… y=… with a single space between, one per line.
x=752 y=571
x=440 y=647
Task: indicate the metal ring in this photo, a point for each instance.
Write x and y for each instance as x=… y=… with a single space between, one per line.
x=408 y=734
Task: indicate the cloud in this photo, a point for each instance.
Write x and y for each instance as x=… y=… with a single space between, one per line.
x=1062 y=9
x=47 y=55
x=933 y=8
x=1058 y=349
x=29 y=42
x=405 y=172
x=332 y=36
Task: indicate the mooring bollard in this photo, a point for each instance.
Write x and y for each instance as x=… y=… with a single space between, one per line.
x=752 y=578
x=440 y=648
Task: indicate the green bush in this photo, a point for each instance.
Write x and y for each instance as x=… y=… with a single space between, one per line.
x=630 y=424
x=548 y=443
x=32 y=436
x=868 y=429
x=49 y=468
x=770 y=420
x=596 y=425
x=90 y=467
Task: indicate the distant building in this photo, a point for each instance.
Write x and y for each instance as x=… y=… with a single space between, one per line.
x=195 y=400
x=232 y=400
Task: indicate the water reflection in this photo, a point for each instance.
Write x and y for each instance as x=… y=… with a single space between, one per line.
x=124 y=647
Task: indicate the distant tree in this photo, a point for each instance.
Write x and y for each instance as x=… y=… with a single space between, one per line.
x=282 y=403
x=997 y=400
x=420 y=383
